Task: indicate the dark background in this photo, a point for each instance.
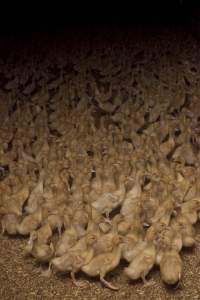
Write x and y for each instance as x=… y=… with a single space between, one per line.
x=33 y=16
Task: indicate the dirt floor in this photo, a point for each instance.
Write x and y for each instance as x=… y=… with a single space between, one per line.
x=20 y=277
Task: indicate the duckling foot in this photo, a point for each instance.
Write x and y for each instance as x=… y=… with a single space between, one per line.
x=79 y=284
x=107 y=219
x=2 y=229
x=147 y=283
x=179 y=285
x=108 y=284
x=47 y=273
x=59 y=231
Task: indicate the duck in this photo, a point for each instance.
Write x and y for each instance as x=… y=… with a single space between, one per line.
x=171 y=267
x=141 y=263
x=36 y=196
x=13 y=204
x=77 y=256
x=102 y=264
x=30 y=222
x=42 y=252
x=9 y=223
x=108 y=201
x=66 y=241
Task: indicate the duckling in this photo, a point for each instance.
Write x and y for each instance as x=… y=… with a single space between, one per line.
x=55 y=221
x=131 y=224
x=125 y=226
x=30 y=223
x=94 y=215
x=132 y=246
x=14 y=204
x=109 y=201
x=188 y=235
x=76 y=257
x=164 y=211
x=105 y=227
x=117 y=219
x=105 y=243
x=66 y=221
x=149 y=207
x=153 y=231
x=168 y=239
x=131 y=207
x=179 y=219
x=142 y=263
x=103 y=263
x=186 y=229
x=42 y=235
x=96 y=221
x=42 y=252
x=85 y=242
x=38 y=246
x=114 y=223
x=80 y=221
x=108 y=180
x=171 y=267
x=67 y=216
x=81 y=217
x=106 y=203
x=190 y=209
x=67 y=240
x=9 y=223
x=95 y=186
x=36 y=196
x=131 y=199
x=93 y=226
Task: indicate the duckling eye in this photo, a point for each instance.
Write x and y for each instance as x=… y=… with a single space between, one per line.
x=177 y=132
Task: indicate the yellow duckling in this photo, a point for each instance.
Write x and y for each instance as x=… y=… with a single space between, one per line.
x=142 y=263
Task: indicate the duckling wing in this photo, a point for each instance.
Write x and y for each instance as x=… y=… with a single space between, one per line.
x=102 y=263
x=93 y=268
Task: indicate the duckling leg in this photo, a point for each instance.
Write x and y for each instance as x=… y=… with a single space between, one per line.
x=3 y=227
x=107 y=219
x=30 y=241
x=47 y=273
x=108 y=284
x=179 y=284
x=27 y=250
x=59 y=231
x=144 y=279
x=146 y=283
x=75 y=282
